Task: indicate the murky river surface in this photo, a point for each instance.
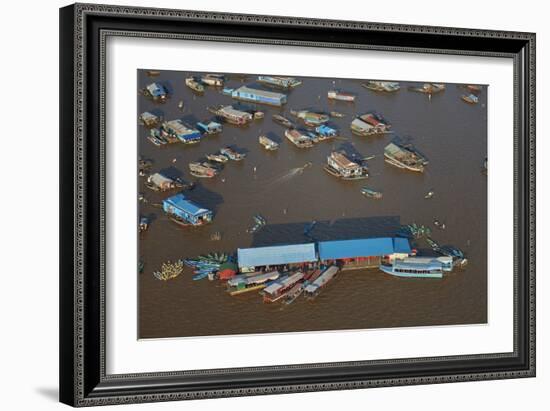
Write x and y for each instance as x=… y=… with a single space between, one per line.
x=451 y=133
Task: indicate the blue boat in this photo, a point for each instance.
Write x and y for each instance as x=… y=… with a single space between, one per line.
x=419 y=267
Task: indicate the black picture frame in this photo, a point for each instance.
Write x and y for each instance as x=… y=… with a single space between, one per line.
x=83 y=30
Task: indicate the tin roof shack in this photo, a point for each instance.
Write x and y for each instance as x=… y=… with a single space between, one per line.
x=326 y=132
x=186 y=212
x=250 y=259
x=339 y=165
x=364 y=252
x=159 y=182
x=156 y=92
x=259 y=96
x=178 y=129
x=210 y=128
x=148 y=119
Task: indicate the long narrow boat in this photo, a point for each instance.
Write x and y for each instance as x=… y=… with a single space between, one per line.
x=293 y=293
x=371 y=193
x=404 y=157
x=278 y=289
x=314 y=288
x=282 y=120
x=243 y=284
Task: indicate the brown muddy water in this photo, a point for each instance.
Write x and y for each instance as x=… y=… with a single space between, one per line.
x=451 y=133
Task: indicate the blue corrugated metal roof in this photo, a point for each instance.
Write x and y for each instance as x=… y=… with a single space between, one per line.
x=282 y=254
x=179 y=201
x=364 y=247
x=401 y=245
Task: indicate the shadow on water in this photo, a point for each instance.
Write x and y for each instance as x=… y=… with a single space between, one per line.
x=341 y=229
x=171 y=172
x=205 y=197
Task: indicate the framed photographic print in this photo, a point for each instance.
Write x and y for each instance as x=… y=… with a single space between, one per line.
x=261 y=204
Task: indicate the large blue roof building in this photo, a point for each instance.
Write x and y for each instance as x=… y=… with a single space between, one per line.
x=185 y=211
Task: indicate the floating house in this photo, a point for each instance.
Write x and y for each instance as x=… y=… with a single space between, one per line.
x=156 y=91
x=419 y=267
x=210 y=128
x=215 y=80
x=258 y=96
x=160 y=182
x=404 y=157
x=388 y=86
x=325 y=131
x=339 y=165
x=293 y=255
x=148 y=119
x=363 y=252
x=231 y=115
x=186 y=212
x=279 y=82
x=181 y=131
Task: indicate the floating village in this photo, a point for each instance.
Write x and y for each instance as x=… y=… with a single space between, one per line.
x=282 y=273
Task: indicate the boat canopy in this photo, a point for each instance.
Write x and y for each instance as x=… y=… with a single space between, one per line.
x=276 y=255
x=365 y=247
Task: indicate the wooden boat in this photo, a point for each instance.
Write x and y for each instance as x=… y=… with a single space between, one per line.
x=470 y=99
x=404 y=157
x=267 y=143
x=429 y=88
x=282 y=120
x=387 y=86
x=194 y=85
x=218 y=158
x=371 y=193
x=341 y=96
x=337 y=114
x=202 y=170
x=310 y=118
x=293 y=293
x=232 y=154
x=279 y=288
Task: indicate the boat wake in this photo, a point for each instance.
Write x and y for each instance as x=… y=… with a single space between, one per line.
x=289 y=175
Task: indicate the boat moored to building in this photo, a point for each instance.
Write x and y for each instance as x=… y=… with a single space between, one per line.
x=279 y=288
x=339 y=165
x=313 y=289
x=185 y=212
x=419 y=267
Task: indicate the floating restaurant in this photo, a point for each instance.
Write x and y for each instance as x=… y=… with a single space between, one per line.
x=258 y=96
x=346 y=254
x=186 y=212
x=178 y=129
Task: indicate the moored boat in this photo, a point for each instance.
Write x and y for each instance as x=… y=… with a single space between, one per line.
x=429 y=88
x=310 y=118
x=404 y=157
x=267 y=143
x=298 y=138
x=216 y=80
x=218 y=158
x=337 y=114
x=387 y=86
x=314 y=288
x=371 y=193
x=369 y=124
x=231 y=115
x=232 y=154
x=341 y=96
x=194 y=84
x=278 y=288
x=419 y=267
x=279 y=82
x=243 y=283
x=202 y=170
x=293 y=293
x=282 y=120
x=470 y=98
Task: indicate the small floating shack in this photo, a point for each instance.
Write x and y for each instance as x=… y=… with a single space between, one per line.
x=156 y=91
x=185 y=211
x=210 y=128
x=279 y=82
x=339 y=165
x=259 y=96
